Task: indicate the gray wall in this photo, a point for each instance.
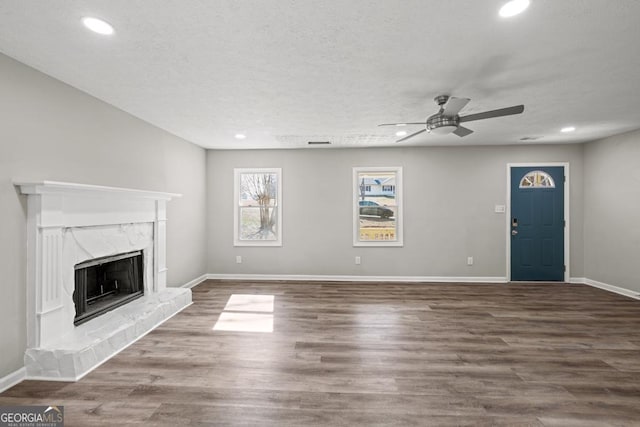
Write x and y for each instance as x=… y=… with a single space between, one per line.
x=612 y=210
x=449 y=198
x=49 y=130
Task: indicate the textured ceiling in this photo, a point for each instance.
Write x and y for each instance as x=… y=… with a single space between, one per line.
x=285 y=72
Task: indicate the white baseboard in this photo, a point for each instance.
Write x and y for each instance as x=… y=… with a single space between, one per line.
x=338 y=278
x=195 y=282
x=12 y=379
x=605 y=286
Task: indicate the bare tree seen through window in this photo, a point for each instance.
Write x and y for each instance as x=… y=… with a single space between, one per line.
x=259 y=206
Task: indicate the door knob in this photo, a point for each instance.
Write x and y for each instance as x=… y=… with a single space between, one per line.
x=514 y=232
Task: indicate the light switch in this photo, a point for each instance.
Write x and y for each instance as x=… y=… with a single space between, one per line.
x=500 y=209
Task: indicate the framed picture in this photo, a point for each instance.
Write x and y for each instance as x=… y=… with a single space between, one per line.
x=258 y=207
x=377 y=206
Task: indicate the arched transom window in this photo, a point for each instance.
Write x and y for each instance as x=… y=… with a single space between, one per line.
x=537 y=179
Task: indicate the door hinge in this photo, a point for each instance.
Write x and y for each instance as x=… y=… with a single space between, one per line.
x=564 y=178
x=564 y=223
x=564 y=268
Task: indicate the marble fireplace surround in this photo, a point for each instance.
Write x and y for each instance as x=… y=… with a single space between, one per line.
x=69 y=223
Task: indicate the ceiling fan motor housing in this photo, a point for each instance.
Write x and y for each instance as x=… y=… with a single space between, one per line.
x=442 y=125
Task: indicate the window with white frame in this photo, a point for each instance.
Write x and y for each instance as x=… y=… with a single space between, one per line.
x=258 y=207
x=377 y=206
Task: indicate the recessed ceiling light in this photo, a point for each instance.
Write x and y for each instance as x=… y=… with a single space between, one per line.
x=513 y=7
x=240 y=136
x=401 y=133
x=567 y=129
x=97 y=25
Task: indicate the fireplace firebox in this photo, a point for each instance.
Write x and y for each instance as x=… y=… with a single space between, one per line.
x=103 y=284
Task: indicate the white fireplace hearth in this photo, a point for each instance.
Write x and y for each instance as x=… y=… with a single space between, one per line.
x=69 y=224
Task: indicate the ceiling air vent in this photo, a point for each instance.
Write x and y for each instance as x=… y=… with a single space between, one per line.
x=529 y=138
x=319 y=142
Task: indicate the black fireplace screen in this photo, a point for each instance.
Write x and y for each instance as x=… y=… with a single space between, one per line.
x=103 y=284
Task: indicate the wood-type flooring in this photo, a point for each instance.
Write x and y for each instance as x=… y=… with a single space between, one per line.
x=370 y=354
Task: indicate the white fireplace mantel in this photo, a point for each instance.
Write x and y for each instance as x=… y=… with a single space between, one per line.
x=65 y=204
x=67 y=222
x=57 y=187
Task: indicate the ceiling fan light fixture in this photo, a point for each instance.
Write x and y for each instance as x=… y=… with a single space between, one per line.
x=513 y=8
x=98 y=25
x=443 y=130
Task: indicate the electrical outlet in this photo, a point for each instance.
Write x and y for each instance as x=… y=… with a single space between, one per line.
x=470 y=260
x=357 y=260
x=238 y=259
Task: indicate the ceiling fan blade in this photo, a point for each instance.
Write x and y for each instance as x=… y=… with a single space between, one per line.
x=401 y=124
x=517 y=109
x=454 y=105
x=462 y=131
x=412 y=135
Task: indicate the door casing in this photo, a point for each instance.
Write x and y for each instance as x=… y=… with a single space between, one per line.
x=567 y=242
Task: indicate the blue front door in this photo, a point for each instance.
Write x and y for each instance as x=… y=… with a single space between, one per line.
x=537 y=223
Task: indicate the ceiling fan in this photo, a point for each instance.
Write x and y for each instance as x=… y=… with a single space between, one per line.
x=447 y=119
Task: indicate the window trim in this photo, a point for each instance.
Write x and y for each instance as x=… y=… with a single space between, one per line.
x=356 y=208
x=237 y=172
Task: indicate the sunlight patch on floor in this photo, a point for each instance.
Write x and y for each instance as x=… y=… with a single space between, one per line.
x=247 y=313
x=244 y=322
x=253 y=303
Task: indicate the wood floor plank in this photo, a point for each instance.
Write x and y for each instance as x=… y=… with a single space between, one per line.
x=374 y=354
